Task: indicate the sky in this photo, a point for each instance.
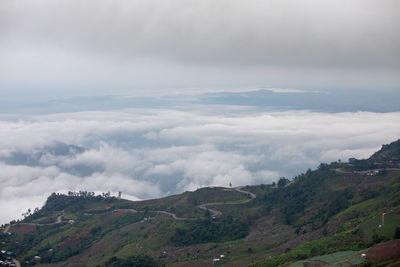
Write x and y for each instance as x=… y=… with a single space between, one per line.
x=154 y=98
x=70 y=47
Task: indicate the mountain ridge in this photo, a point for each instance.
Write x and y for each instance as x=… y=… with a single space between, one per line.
x=320 y=212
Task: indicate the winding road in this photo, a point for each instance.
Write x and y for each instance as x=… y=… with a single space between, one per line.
x=58 y=220
x=214 y=213
x=340 y=170
x=173 y=215
x=7 y=229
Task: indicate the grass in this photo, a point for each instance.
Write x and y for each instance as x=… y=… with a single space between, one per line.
x=363 y=208
x=124 y=236
x=342 y=258
x=371 y=226
x=70 y=216
x=186 y=205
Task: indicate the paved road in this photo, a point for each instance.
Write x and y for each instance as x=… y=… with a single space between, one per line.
x=173 y=215
x=17 y=264
x=239 y=189
x=339 y=170
x=129 y=210
x=214 y=212
x=6 y=229
x=58 y=220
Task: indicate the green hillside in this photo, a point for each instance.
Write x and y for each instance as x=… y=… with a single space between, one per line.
x=335 y=210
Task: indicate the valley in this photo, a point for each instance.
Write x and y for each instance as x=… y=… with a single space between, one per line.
x=341 y=210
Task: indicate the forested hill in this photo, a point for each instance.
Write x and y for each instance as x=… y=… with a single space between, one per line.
x=336 y=208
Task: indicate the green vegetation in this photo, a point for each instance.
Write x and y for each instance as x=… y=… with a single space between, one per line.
x=342 y=258
x=330 y=214
x=209 y=230
x=133 y=261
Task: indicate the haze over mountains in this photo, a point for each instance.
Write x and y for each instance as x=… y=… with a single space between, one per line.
x=261 y=99
x=152 y=98
x=151 y=147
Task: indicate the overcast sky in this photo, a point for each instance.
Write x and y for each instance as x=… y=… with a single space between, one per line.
x=69 y=47
x=186 y=110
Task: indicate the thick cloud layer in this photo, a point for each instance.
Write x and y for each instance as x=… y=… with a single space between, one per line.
x=52 y=50
x=67 y=45
x=147 y=153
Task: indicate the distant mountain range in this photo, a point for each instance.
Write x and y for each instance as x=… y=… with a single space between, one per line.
x=342 y=213
x=260 y=98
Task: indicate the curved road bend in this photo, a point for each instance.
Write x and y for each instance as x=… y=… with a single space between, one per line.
x=174 y=215
x=58 y=220
x=216 y=213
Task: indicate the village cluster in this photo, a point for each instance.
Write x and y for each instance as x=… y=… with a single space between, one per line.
x=6 y=258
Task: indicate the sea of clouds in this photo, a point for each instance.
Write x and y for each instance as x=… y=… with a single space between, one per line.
x=149 y=153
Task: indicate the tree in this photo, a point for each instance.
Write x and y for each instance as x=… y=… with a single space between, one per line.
x=397 y=233
x=282 y=182
x=207 y=214
x=313 y=252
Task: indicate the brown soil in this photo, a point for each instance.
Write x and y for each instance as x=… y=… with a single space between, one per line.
x=384 y=251
x=297 y=241
x=118 y=212
x=265 y=231
x=85 y=255
x=282 y=237
x=72 y=241
x=23 y=229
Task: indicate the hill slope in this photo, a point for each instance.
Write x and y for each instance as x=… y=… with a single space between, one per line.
x=336 y=207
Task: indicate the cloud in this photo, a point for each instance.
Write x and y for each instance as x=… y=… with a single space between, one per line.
x=153 y=48
x=148 y=153
x=141 y=45
x=175 y=29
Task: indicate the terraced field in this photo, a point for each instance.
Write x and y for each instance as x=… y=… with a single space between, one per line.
x=342 y=258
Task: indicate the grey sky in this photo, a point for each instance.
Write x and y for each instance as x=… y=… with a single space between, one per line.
x=84 y=47
x=178 y=101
